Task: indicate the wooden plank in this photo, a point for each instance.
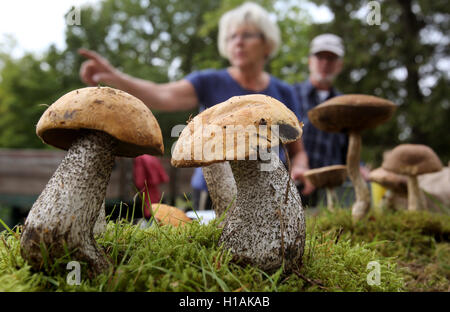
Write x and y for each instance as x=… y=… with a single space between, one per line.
x=26 y=172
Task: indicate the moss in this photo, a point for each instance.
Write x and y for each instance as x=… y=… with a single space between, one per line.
x=419 y=242
x=189 y=259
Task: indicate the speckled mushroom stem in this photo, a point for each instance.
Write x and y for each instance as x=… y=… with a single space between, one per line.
x=416 y=198
x=331 y=198
x=100 y=224
x=221 y=186
x=265 y=227
x=362 y=205
x=64 y=215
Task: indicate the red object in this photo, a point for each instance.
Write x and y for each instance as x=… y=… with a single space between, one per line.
x=148 y=173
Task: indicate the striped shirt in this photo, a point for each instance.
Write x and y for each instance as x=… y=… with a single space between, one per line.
x=322 y=148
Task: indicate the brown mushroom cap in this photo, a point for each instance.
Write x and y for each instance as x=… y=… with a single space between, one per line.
x=166 y=214
x=390 y=180
x=351 y=112
x=113 y=111
x=330 y=176
x=412 y=159
x=239 y=115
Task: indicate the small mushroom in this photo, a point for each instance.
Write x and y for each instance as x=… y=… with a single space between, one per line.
x=328 y=177
x=94 y=124
x=413 y=160
x=266 y=226
x=395 y=184
x=165 y=214
x=352 y=114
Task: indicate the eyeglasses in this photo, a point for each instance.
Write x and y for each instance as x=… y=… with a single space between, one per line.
x=245 y=36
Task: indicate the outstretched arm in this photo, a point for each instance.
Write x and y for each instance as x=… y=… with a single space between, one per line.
x=173 y=96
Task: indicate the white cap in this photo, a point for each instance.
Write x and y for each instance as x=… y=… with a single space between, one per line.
x=327 y=42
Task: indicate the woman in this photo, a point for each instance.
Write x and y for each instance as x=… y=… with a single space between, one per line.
x=247 y=38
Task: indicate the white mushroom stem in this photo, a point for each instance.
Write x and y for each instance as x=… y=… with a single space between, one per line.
x=267 y=225
x=100 y=225
x=331 y=198
x=362 y=205
x=416 y=197
x=221 y=186
x=387 y=201
x=63 y=217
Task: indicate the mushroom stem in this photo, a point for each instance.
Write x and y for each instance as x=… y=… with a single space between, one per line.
x=416 y=198
x=331 y=198
x=362 y=205
x=100 y=225
x=386 y=202
x=63 y=217
x=263 y=229
x=221 y=186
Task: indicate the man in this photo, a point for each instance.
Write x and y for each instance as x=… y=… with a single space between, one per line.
x=323 y=148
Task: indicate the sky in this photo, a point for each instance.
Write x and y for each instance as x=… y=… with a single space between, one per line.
x=35 y=25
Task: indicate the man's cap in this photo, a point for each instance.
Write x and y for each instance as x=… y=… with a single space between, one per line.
x=327 y=42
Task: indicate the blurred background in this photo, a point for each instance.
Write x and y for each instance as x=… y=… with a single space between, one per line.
x=403 y=57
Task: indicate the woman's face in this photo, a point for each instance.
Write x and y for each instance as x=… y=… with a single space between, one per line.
x=246 y=46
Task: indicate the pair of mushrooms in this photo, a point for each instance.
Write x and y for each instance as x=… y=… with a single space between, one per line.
x=234 y=142
x=266 y=225
x=352 y=114
x=401 y=168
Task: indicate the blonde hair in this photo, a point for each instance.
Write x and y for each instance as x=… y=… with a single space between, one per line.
x=252 y=14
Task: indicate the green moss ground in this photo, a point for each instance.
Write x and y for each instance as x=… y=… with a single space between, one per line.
x=189 y=259
x=418 y=241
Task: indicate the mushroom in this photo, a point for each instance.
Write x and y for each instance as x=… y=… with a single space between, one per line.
x=165 y=214
x=94 y=124
x=328 y=177
x=436 y=187
x=221 y=186
x=100 y=224
x=352 y=114
x=395 y=184
x=267 y=225
x=413 y=160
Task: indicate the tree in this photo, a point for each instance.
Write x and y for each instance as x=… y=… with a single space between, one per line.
x=401 y=59
x=158 y=40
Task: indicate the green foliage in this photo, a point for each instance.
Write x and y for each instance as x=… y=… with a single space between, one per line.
x=401 y=60
x=189 y=259
x=161 y=41
x=419 y=241
x=158 y=40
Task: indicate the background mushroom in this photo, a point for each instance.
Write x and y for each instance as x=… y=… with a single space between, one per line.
x=95 y=125
x=267 y=225
x=352 y=114
x=395 y=184
x=413 y=160
x=436 y=186
x=328 y=177
x=165 y=214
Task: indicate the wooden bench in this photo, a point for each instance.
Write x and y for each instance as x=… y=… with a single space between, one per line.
x=24 y=174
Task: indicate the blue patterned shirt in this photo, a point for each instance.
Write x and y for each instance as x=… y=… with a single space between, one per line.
x=322 y=148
